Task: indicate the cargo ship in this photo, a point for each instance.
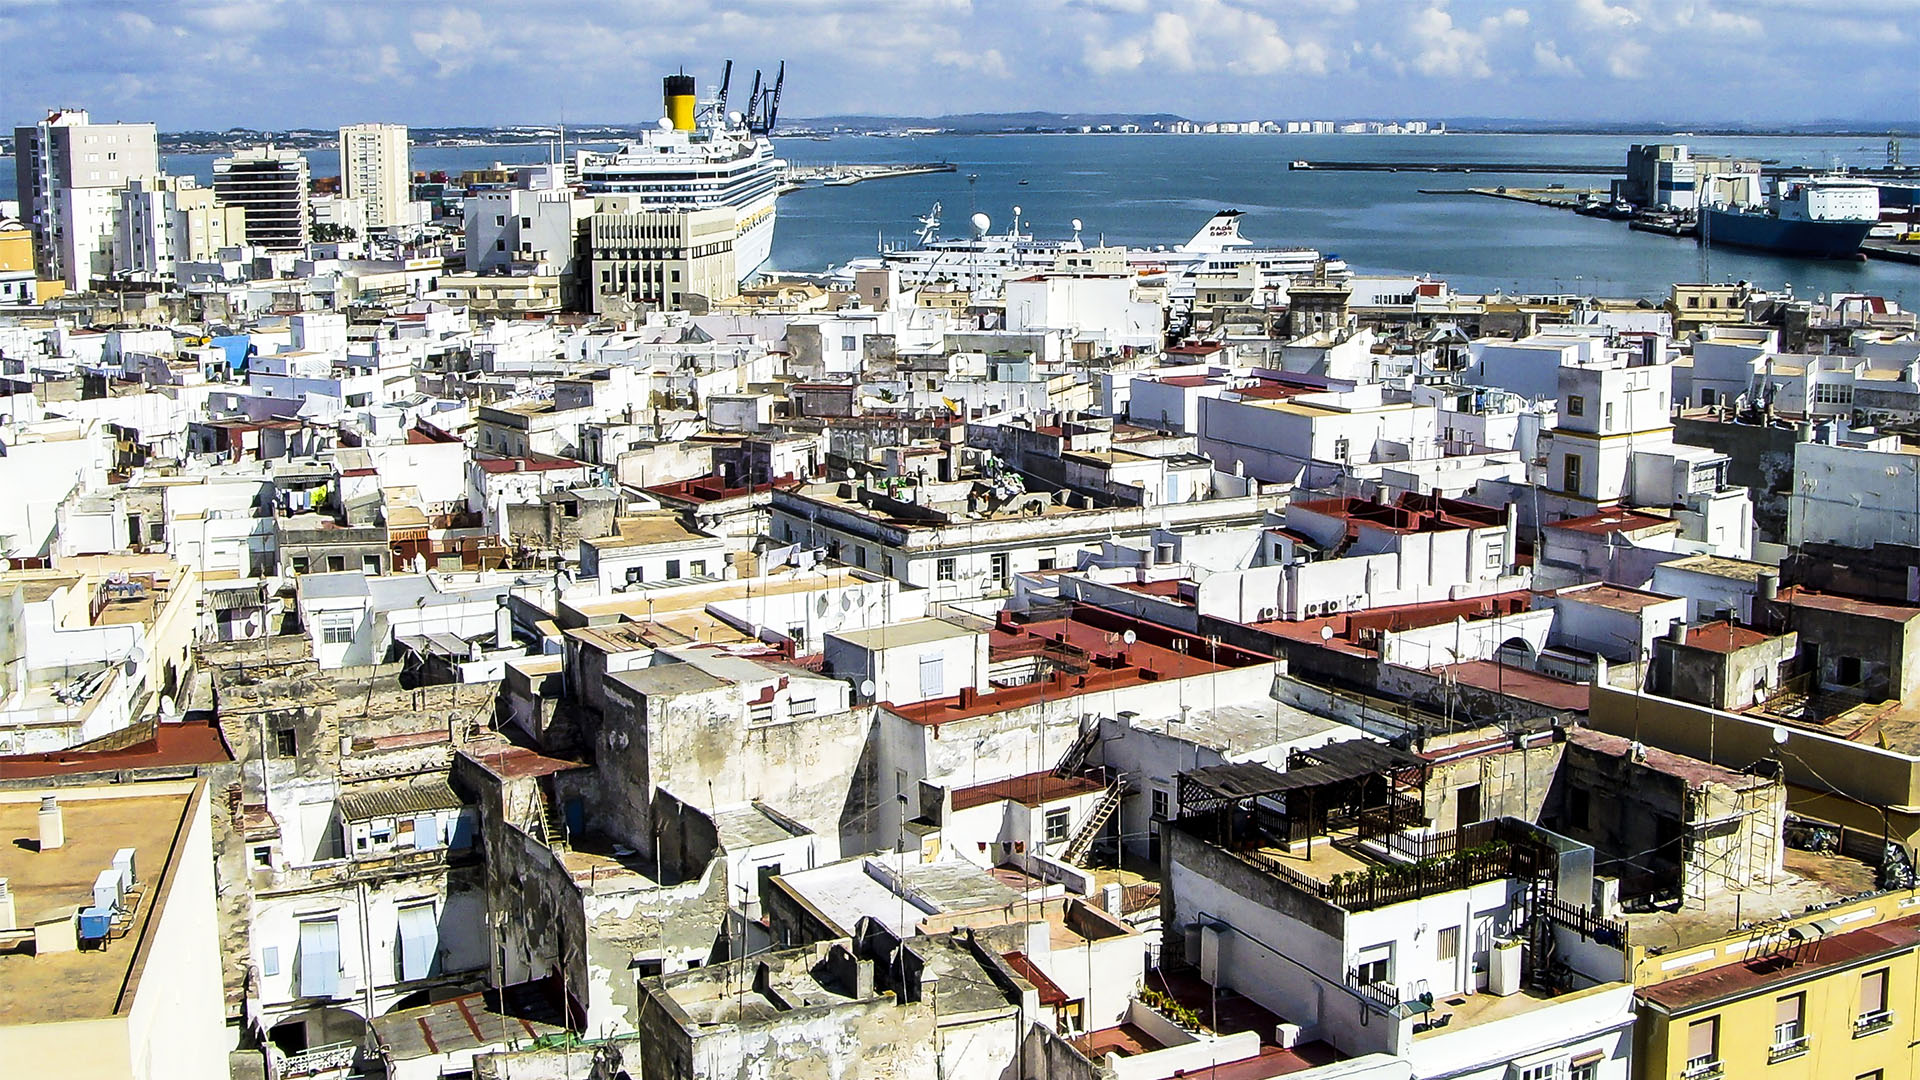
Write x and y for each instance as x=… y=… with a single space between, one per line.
x=1821 y=217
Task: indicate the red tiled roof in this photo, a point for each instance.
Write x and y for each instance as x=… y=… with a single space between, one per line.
x=1739 y=980
x=507 y=761
x=1188 y=380
x=530 y=463
x=1522 y=684
x=1799 y=596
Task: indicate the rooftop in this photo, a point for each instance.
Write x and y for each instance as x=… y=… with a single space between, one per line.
x=1617 y=597
x=1812 y=880
x=646 y=530
x=1087 y=653
x=1825 y=954
x=913 y=632
x=891 y=889
x=1717 y=566
x=1613 y=521
x=1724 y=637
x=94 y=983
x=1799 y=597
x=1033 y=789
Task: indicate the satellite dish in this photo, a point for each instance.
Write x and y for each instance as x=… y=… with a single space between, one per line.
x=981 y=222
x=1326 y=633
x=666 y=123
x=1129 y=637
x=1076 y=225
x=1779 y=735
x=735 y=116
x=866 y=688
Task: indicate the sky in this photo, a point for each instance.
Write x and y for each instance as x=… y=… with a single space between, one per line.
x=277 y=64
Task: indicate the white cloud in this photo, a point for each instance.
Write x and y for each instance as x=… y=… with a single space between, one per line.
x=1548 y=61
x=454 y=41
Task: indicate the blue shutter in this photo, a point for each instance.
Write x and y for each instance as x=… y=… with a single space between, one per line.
x=426 y=832
x=419 y=940
x=270 y=960
x=320 y=958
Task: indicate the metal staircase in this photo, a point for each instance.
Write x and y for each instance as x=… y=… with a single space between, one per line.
x=552 y=826
x=1082 y=841
x=1540 y=895
x=1075 y=758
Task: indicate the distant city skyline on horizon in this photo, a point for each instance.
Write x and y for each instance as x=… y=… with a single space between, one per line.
x=212 y=65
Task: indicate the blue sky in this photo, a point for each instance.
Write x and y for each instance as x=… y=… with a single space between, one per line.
x=285 y=63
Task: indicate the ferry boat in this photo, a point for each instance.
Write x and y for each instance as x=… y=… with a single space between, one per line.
x=1821 y=217
x=985 y=261
x=702 y=156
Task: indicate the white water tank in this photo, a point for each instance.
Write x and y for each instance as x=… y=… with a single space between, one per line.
x=1503 y=968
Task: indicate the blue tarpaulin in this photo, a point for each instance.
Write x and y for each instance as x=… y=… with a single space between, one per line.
x=236 y=347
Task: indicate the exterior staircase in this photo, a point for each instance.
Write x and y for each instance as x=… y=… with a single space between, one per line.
x=1103 y=812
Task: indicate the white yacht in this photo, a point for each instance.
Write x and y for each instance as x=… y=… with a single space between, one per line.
x=702 y=156
x=983 y=262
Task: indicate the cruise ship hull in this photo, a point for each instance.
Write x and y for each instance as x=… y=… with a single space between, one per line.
x=754 y=244
x=1767 y=232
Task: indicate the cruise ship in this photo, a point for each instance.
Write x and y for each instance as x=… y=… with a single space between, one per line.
x=1821 y=217
x=983 y=262
x=701 y=157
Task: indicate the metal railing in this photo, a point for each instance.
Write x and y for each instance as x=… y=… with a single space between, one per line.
x=333 y=1057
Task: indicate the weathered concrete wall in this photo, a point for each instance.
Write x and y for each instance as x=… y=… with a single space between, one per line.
x=1509 y=783
x=1760 y=459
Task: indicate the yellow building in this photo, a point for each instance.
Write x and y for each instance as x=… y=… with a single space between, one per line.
x=1829 y=995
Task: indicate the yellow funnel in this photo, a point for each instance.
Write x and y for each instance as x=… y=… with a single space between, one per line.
x=679 y=94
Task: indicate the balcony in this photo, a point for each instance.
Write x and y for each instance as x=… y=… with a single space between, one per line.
x=1703 y=1068
x=1872 y=1023
x=1785 y=1050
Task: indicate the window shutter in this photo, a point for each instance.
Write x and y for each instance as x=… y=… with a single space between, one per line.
x=1787 y=1010
x=426 y=832
x=932 y=676
x=1873 y=992
x=320 y=958
x=419 y=940
x=1702 y=1038
x=270 y=960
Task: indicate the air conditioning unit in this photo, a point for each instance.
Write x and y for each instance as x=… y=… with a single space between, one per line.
x=1286 y=1036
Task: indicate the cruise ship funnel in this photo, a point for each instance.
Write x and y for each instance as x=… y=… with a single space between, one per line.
x=680 y=91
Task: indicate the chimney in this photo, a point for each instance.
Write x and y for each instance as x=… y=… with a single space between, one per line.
x=1513 y=537
x=53 y=832
x=1769 y=585
x=1677 y=633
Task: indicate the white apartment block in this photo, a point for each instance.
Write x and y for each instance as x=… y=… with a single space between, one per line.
x=374 y=167
x=167 y=220
x=67 y=171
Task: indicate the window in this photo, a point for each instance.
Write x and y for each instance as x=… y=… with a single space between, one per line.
x=1341 y=449
x=944 y=570
x=1000 y=568
x=299 y=564
x=1585 y=1070
x=933 y=678
x=319 y=958
x=1570 y=474
x=1847 y=671
x=1543 y=1071
x=1057 y=822
x=1161 y=806
x=500 y=220
x=370 y=564
x=1576 y=405
x=1833 y=393
x=1375 y=965
x=270 y=960
x=336 y=563
x=886 y=565
x=1446 y=944
x=1703 y=1045
x=1580 y=808
x=1789 y=1031
x=336 y=632
x=760 y=713
x=673 y=569
x=697 y=568
x=419 y=942
x=1606 y=416
x=263 y=856
x=1048 y=562
x=1873 y=1014
x=848 y=343
x=860 y=557
x=285 y=742
x=1693 y=301
x=647 y=969
x=1496 y=555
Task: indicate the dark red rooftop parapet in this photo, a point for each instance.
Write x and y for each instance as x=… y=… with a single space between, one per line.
x=188 y=743
x=706 y=489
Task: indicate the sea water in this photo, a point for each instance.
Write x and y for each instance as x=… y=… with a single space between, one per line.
x=1159 y=189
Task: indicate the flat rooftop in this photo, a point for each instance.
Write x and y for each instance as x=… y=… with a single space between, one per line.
x=1737 y=980
x=1811 y=879
x=1617 y=597
x=914 y=632
x=646 y=530
x=94 y=983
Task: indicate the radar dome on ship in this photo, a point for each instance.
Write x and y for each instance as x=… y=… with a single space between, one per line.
x=982 y=222
x=666 y=123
